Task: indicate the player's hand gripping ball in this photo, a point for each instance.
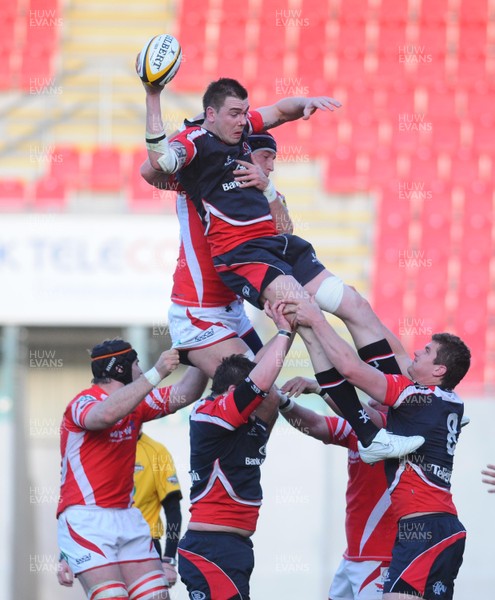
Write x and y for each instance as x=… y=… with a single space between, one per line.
x=159 y=60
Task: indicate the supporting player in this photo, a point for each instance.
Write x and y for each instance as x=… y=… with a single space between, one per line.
x=229 y=431
x=249 y=255
x=424 y=565
x=106 y=543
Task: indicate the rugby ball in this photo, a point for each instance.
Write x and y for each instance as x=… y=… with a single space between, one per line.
x=159 y=60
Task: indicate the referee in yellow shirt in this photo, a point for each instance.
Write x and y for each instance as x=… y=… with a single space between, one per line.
x=156 y=485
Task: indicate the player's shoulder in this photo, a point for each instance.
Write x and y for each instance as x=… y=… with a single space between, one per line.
x=91 y=394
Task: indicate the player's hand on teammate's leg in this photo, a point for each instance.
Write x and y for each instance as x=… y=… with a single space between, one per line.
x=167 y=362
x=276 y=312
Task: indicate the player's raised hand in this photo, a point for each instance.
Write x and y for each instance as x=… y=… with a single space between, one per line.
x=167 y=362
x=489 y=472
x=250 y=175
x=276 y=313
x=308 y=313
x=319 y=103
x=300 y=385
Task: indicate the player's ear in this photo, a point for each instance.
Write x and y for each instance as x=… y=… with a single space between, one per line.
x=439 y=370
x=210 y=114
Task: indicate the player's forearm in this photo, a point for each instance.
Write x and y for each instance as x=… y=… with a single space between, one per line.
x=290 y=109
x=268 y=368
x=319 y=357
x=161 y=155
x=307 y=421
x=117 y=405
x=173 y=515
x=188 y=390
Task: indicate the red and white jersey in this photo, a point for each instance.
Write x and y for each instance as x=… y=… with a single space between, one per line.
x=196 y=283
x=370 y=525
x=98 y=466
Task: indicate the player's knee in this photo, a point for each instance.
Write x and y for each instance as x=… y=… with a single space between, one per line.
x=108 y=590
x=151 y=586
x=330 y=293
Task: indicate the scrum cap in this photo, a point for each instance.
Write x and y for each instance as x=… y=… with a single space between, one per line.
x=113 y=359
x=262 y=141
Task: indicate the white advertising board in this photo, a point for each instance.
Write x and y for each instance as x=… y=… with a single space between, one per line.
x=86 y=269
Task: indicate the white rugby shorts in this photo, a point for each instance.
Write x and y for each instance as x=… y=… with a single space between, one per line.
x=192 y=328
x=356 y=580
x=91 y=536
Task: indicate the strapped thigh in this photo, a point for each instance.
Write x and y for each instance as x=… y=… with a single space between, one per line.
x=108 y=590
x=149 y=586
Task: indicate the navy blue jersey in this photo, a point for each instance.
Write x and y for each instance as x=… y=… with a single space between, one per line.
x=228 y=446
x=232 y=214
x=421 y=482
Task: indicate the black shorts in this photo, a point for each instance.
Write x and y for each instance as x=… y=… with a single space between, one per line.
x=426 y=557
x=216 y=565
x=251 y=266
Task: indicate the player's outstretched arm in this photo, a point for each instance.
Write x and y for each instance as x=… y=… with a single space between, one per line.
x=296 y=107
x=189 y=389
x=307 y=421
x=269 y=365
x=341 y=355
x=163 y=156
x=124 y=400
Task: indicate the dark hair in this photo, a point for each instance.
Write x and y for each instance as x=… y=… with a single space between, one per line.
x=453 y=354
x=219 y=90
x=231 y=371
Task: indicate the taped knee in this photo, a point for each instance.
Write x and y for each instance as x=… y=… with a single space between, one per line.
x=149 y=587
x=108 y=590
x=330 y=293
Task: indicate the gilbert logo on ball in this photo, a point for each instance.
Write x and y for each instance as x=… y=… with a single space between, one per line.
x=159 y=60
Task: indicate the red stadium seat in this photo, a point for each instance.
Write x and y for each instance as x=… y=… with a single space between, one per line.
x=464 y=169
x=382 y=170
x=434 y=13
x=474 y=12
x=105 y=170
x=423 y=166
x=393 y=11
x=49 y=194
x=445 y=134
x=353 y=11
x=7 y=73
x=192 y=24
x=37 y=72
x=442 y=102
x=13 y=195
x=342 y=172
x=65 y=165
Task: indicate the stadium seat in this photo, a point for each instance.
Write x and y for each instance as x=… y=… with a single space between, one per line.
x=143 y=197
x=50 y=194
x=393 y=12
x=13 y=195
x=7 y=73
x=342 y=171
x=434 y=13
x=473 y=12
x=364 y=137
x=382 y=171
x=464 y=169
x=441 y=102
x=105 y=170
x=192 y=24
x=65 y=165
x=353 y=11
x=36 y=73
x=445 y=134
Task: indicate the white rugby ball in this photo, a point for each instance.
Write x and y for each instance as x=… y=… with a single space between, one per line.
x=159 y=60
